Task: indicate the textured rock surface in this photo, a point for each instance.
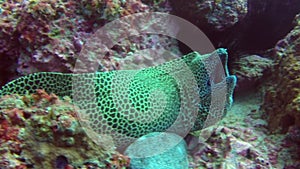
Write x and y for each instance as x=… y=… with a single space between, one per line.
x=219 y=14
x=48 y=35
x=43 y=131
x=260 y=24
x=250 y=70
x=241 y=140
x=158 y=150
x=282 y=98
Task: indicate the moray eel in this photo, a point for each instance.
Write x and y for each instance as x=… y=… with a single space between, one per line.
x=137 y=102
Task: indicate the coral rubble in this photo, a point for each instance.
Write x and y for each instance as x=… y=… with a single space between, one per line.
x=241 y=140
x=42 y=131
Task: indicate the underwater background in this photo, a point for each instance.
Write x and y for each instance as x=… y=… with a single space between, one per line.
x=41 y=129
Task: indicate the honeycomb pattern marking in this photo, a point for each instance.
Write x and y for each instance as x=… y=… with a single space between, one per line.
x=136 y=102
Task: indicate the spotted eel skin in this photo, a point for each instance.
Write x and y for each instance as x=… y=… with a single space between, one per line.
x=137 y=102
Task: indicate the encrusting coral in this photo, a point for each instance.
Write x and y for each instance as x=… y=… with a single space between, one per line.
x=40 y=130
x=282 y=98
x=48 y=35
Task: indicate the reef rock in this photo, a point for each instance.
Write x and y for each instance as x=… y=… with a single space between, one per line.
x=241 y=140
x=282 y=98
x=46 y=35
x=43 y=131
x=158 y=150
x=250 y=70
x=230 y=147
x=219 y=14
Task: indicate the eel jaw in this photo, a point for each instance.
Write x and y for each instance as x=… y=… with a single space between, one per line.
x=231 y=83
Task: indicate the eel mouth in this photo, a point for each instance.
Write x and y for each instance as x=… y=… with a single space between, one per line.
x=217 y=65
x=231 y=83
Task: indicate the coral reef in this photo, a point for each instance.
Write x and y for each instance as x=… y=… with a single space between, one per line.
x=159 y=5
x=232 y=147
x=37 y=36
x=42 y=131
x=242 y=140
x=48 y=35
x=282 y=98
x=224 y=13
x=217 y=14
x=250 y=70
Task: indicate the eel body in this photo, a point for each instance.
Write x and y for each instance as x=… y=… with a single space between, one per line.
x=176 y=96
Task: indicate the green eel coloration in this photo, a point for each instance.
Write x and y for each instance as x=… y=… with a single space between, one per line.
x=143 y=92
